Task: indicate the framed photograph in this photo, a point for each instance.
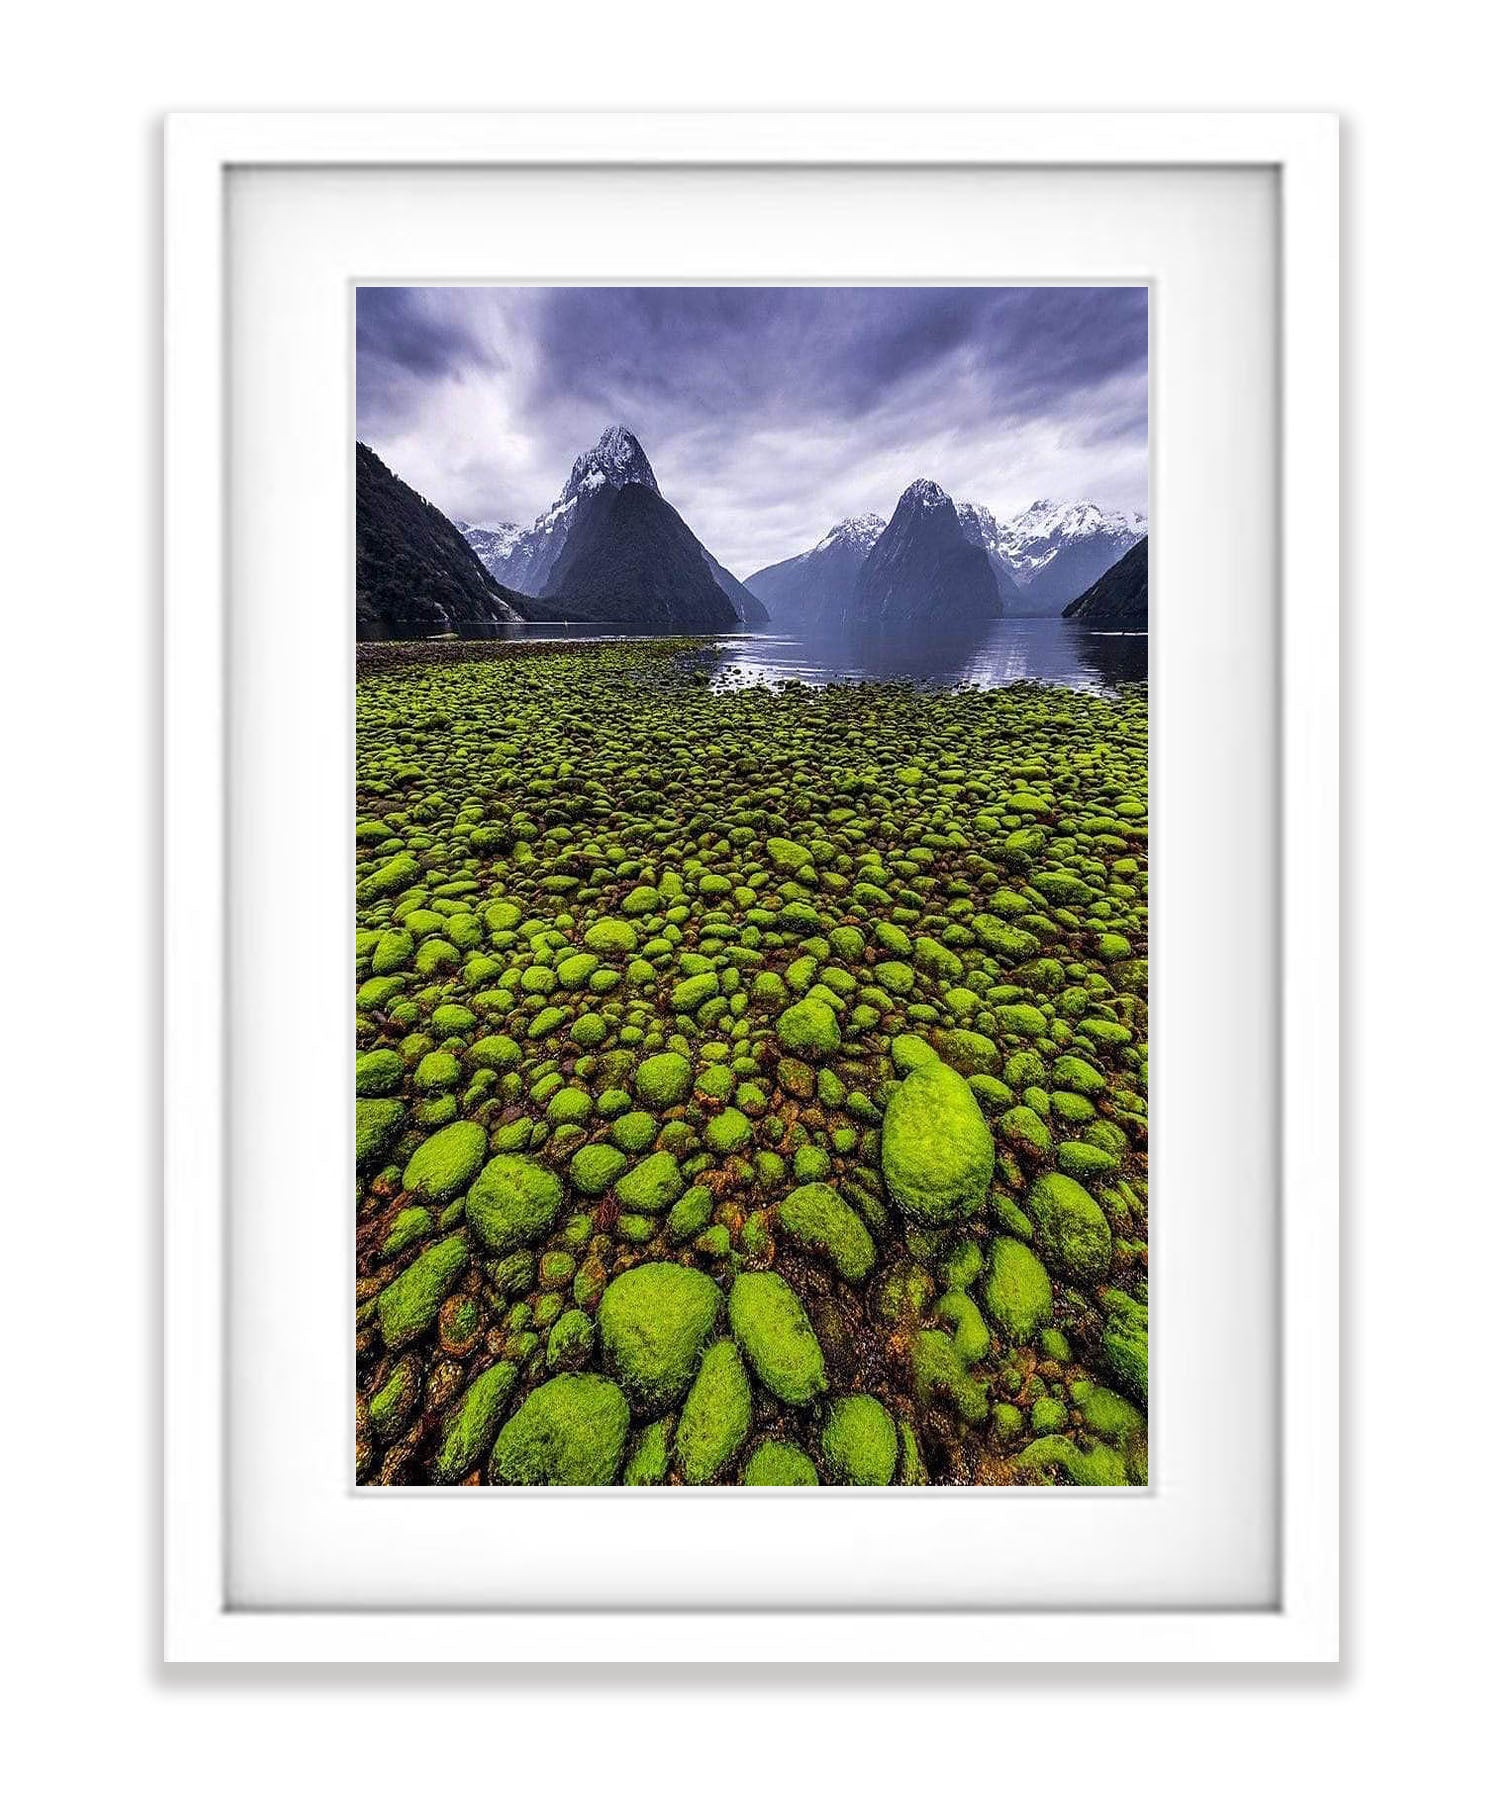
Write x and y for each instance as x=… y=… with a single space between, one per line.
x=672 y=733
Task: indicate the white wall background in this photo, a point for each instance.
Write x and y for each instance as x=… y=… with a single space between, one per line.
x=79 y=451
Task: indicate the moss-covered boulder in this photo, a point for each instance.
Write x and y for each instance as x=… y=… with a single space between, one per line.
x=652 y=1185
x=777 y=1337
x=1072 y=1234
x=569 y=1432
x=1124 y=1343
x=653 y=1322
x=447 y=1162
x=664 y=1080
x=470 y=1428
x=859 y=1442
x=514 y=1201
x=407 y=1308
x=809 y=1029
x=936 y=1152
x=1017 y=1290
x=715 y=1416
x=377 y=1125
x=775 y=1464
x=815 y=1216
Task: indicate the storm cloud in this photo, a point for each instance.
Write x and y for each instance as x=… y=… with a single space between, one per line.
x=768 y=413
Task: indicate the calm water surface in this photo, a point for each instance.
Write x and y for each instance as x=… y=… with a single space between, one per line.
x=1057 y=651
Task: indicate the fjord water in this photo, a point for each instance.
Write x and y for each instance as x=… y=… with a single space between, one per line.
x=992 y=655
x=997 y=654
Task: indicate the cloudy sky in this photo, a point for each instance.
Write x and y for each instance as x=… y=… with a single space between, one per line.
x=768 y=413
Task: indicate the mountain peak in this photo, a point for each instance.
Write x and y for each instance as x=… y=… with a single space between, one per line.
x=615 y=461
x=923 y=492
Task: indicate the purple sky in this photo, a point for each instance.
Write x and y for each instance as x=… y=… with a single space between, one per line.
x=767 y=413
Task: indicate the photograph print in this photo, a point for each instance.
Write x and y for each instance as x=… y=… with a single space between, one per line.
x=750 y=906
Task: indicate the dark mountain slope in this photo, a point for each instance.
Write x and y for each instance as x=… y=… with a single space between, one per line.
x=413 y=572
x=630 y=560
x=923 y=569
x=1118 y=597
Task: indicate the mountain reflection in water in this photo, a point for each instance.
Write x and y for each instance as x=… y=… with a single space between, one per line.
x=990 y=655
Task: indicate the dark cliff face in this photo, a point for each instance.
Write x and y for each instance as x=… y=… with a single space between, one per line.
x=1119 y=597
x=413 y=572
x=923 y=570
x=630 y=560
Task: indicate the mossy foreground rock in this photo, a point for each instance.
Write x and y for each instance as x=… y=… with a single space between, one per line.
x=513 y=1203
x=715 y=1416
x=936 y=1152
x=1017 y=1291
x=816 y=1216
x=776 y=1335
x=859 y=1441
x=653 y=1321
x=1072 y=1233
x=570 y=1432
x=749 y=1075
x=447 y=1162
x=780 y=1465
x=410 y=1304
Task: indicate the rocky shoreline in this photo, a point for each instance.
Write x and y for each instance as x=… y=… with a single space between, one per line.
x=751 y=1086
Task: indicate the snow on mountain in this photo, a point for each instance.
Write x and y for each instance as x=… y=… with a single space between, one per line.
x=526 y=558
x=817 y=585
x=858 y=533
x=523 y=557
x=1033 y=538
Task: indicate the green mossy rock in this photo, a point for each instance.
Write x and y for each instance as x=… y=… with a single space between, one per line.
x=1125 y=1342
x=664 y=1080
x=1017 y=1290
x=595 y=1167
x=377 y=1125
x=715 y=1416
x=471 y=1426
x=1053 y=1456
x=1072 y=1234
x=651 y=1457
x=936 y=1152
x=447 y=1162
x=816 y=1216
x=729 y=1132
x=569 y=1432
x=652 y=1185
x=514 y=1202
x=409 y=1305
x=653 y=1322
x=774 y=1332
x=775 y=1464
x=809 y=1029
x=859 y=1442
x=378 y=1072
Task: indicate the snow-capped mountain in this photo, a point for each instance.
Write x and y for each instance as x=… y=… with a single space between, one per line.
x=526 y=558
x=1054 y=551
x=819 y=584
x=924 y=569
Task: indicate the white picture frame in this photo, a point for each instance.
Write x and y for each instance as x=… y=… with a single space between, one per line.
x=201 y=1622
